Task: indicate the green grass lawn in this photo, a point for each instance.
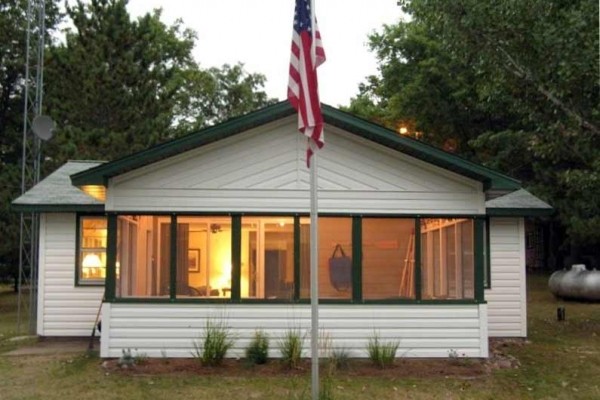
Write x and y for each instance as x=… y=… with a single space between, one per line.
x=560 y=360
x=8 y=319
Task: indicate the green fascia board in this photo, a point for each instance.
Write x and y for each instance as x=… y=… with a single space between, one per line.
x=491 y=179
x=100 y=175
x=58 y=208
x=519 y=212
x=419 y=150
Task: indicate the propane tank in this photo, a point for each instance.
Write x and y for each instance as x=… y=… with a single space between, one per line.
x=591 y=286
x=555 y=281
x=576 y=283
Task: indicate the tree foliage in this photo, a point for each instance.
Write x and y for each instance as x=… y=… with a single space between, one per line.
x=514 y=84
x=113 y=85
x=13 y=28
x=119 y=85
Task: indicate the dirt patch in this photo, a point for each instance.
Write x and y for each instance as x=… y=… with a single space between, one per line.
x=402 y=368
x=455 y=367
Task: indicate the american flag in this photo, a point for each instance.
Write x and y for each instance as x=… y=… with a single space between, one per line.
x=303 y=91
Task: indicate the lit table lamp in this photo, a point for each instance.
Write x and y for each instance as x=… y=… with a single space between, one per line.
x=91 y=263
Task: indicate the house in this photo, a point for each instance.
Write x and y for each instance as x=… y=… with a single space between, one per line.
x=215 y=225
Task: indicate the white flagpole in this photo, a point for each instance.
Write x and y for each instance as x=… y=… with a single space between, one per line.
x=314 y=237
x=314 y=274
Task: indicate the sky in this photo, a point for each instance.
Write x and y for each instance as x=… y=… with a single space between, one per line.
x=258 y=33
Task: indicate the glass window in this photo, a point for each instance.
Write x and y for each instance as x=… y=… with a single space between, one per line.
x=447 y=259
x=91 y=262
x=335 y=258
x=204 y=257
x=267 y=258
x=143 y=256
x=388 y=263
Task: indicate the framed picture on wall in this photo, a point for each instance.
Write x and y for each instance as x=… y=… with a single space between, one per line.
x=194 y=260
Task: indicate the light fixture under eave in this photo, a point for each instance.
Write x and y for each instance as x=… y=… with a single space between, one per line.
x=96 y=191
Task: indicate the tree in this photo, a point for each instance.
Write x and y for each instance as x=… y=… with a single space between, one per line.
x=119 y=85
x=226 y=92
x=514 y=83
x=113 y=86
x=13 y=28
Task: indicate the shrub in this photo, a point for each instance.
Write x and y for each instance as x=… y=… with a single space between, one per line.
x=258 y=350
x=215 y=341
x=458 y=359
x=339 y=359
x=382 y=354
x=335 y=358
x=291 y=348
x=127 y=359
x=141 y=358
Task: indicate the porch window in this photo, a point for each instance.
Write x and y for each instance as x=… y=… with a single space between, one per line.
x=91 y=261
x=388 y=264
x=267 y=258
x=204 y=257
x=379 y=257
x=447 y=258
x=335 y=258
x=143 y=256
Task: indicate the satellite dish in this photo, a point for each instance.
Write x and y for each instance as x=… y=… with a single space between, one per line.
x=43 y=126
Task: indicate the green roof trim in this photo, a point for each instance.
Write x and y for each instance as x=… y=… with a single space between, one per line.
x=58 y=208
x=358 y=126
x=418 y=149
x=519 y=212
x=100 y=176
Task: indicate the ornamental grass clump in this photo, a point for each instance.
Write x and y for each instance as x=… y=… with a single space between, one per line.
x=258 y=350
x=334 y=358
x=382 y=354
x=339 y=359
x=290 y=346
x=215 y=340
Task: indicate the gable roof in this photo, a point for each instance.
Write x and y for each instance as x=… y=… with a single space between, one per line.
x=491 y=179
x=56 y=193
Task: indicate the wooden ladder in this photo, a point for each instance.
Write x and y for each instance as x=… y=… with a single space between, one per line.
x=407 y=286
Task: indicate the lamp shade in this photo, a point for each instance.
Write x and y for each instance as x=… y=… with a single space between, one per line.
x=91 y=261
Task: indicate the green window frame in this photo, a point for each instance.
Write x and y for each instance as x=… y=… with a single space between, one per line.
x=481 y=243
x=487 y=271
x=91 y=253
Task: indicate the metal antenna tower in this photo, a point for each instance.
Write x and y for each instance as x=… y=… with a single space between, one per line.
x=31 y=158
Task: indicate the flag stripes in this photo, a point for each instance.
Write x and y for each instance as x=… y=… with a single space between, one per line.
x=306 y=55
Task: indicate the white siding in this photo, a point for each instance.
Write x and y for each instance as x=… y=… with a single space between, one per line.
x=507 y=301
x=63 y=309
x=264 y=170
x=158 y=330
